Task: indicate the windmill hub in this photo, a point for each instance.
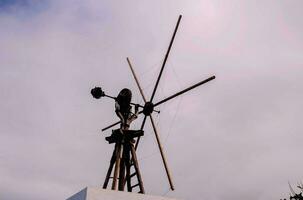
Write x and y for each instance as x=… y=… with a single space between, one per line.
x=148 y=108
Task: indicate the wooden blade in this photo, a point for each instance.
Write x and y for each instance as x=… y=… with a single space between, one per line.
x=154 y=128
x=142 y=94
x=136 y=79
x=185 y=90
x=165 y=58
x=142 y=126
x=162 y=153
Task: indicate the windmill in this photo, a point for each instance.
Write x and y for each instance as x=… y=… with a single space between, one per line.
x=126 y=141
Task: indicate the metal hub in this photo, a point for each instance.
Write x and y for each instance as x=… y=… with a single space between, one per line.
x=148 y=108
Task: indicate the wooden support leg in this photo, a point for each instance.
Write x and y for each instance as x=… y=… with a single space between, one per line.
x=127 y=165
x=117 y=165
x=135 y=161
x=111 y=165
x=122 y=170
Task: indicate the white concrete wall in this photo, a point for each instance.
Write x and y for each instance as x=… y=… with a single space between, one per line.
x=101 y=194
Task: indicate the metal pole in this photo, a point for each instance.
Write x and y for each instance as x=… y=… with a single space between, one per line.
x=129 y=103
x=114 y=124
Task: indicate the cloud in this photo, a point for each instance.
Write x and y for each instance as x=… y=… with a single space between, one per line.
x=233 y=138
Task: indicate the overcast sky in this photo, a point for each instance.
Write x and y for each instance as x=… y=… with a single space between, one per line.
x=237 y=137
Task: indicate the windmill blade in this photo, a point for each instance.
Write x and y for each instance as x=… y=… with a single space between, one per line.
x=154 y=128
x=291 y=189
x=165 y=58
x=162 y=154
x=142 y=94
x=136 y=79
x=142 y=126
x=185 y=90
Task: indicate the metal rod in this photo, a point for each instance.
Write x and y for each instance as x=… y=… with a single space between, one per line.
x=154 y=128
x=134 y=104
x=165 y=58
x=114 y=124
x=162 y=154
x=185 y=90
x=105 y=95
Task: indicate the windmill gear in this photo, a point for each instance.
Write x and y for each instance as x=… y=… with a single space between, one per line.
x=123 y=99
x=123 y=108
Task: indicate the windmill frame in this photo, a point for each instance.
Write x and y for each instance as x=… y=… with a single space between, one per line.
x=125 y=148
